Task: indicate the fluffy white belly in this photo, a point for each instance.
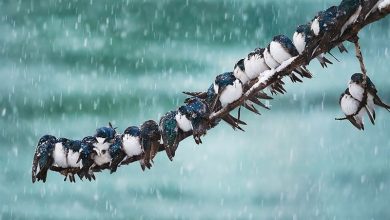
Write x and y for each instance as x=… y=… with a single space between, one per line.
x=102 y=146
x=254 y=66
x=239 y=74
x=315 y=27
x=269 y=60
x=279 y=53
x=73 y=156
x=231 y=93
x=349 y=105
x=103 y=158
x=299 y=42
x=183 y=123
x=131 y=145
x=356 y=91
x=59 y=155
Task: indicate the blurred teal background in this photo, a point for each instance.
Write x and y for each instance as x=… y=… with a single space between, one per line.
x=67 y=67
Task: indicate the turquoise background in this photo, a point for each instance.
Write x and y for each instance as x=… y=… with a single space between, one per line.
x=67 y=67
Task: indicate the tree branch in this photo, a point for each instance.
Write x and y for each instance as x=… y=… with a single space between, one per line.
x=366 y=17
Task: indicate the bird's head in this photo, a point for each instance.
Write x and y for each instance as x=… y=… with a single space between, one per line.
x=133 y=131
x=105 y=134
x=47 y=138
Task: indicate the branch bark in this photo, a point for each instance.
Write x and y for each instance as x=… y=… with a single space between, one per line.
x=304 y=59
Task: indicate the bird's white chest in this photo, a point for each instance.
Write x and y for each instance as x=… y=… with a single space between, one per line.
x=104 y=156
x=254 y=66
x=278 y=52
x=356 y=91
x=231 y=93
x=183 y=123
x=131 y=145
x=73 y=156
x=315 y=27
x=269 y=60
x=59 y=155
x=299 y=42
x=239 y=74
x=349 y=105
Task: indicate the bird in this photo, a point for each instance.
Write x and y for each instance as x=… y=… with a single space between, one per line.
x=227 y=88
x=116 y=152
x=43 y=158
x=65 y=155
x=251 y=66
x=255 y=64
x=88 y=153
x=350 y=107
x=325 y=26
x=379 y=5
x=350 y=9
x=150 y=141
x=170 y=133
x=105 y=137
x=357 y=88
x=131 y=143
x=198 y=113
x=281 y=49
x=239 y=72
x=72 y=149
x=302 y=37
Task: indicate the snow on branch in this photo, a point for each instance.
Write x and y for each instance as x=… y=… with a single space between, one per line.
x=334 y=26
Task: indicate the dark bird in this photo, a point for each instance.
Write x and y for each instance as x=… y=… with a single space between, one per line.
x=198 y=112
x=43 y=158
x=303 y=36
x=150 y=141
x=350 y=107
x=117 y=153
x=105 y=136
x=357 y=88
x=350 y=10
x=170 y=133
x=88 y=153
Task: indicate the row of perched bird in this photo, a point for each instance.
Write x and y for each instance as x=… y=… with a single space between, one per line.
x=109 y=149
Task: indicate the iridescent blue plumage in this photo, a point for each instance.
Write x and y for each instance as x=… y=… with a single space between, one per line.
x=169 y=133
x=43 y=157
x=106 y=132
x=133 y=131
x=224 y=80
x=87 y=154
x=116 y=152
x=198 y=114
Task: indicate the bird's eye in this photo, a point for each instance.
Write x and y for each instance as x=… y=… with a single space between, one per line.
x=104 y=151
